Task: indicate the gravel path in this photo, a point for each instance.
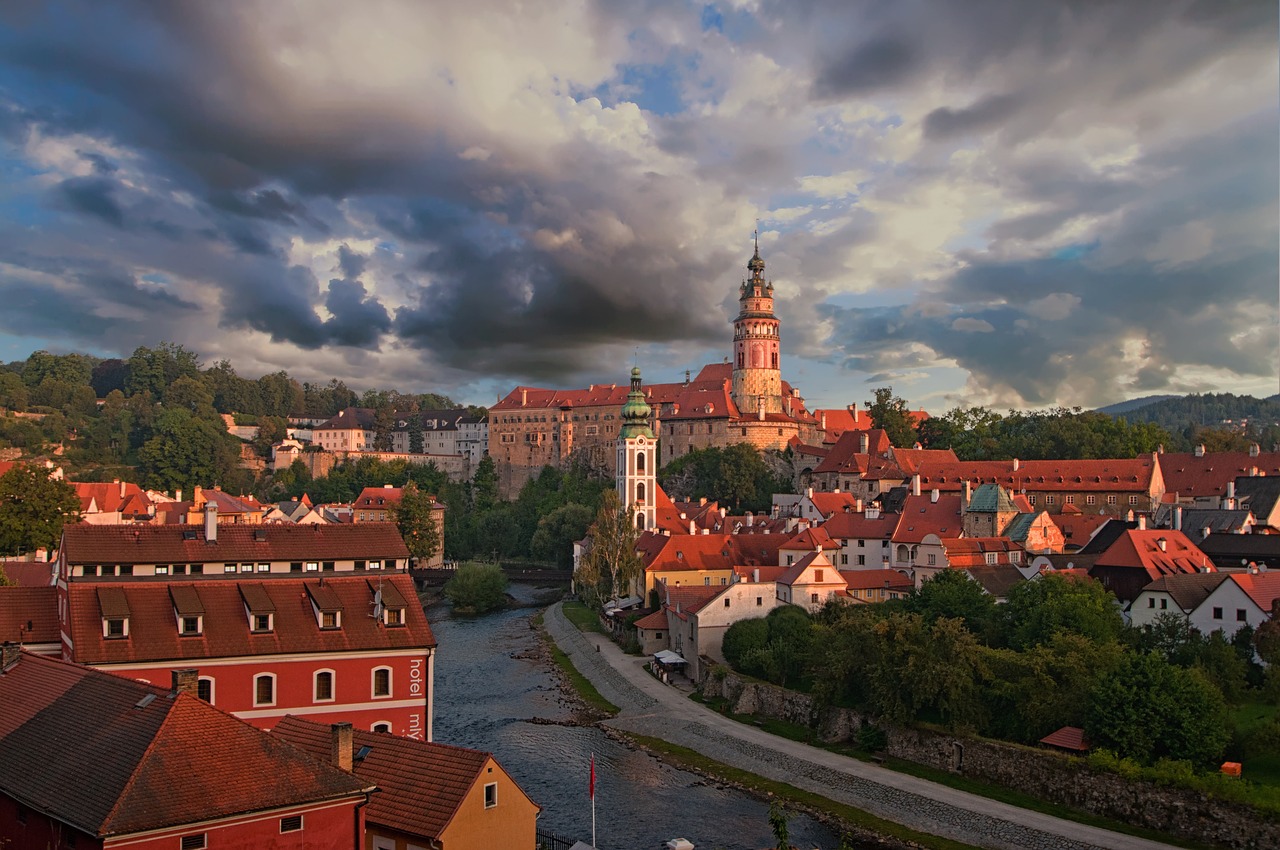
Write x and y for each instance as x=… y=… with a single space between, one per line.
x=651 y=708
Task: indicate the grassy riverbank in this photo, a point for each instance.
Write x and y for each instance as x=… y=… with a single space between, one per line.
x=581 y=684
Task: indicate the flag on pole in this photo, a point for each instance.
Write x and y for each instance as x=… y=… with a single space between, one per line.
x=592 y=789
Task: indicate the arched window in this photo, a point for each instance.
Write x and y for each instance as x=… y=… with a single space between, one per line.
x=640 y=462
x=640 y=493
x=204 y=689
x=382 y=682
x=264 y=689
x=323 y=687
x=903 y=554
x=640 y=521
x=381 y=727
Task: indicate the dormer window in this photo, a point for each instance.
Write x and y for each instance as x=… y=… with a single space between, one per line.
x=258 y=607
x=115 y=612
x=262 y=622
x=394 y=617
x=190 y=626
x=188 y=609
x=330 y=619
x=115 y=627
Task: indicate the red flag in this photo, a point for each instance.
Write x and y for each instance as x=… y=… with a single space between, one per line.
x=593 y=776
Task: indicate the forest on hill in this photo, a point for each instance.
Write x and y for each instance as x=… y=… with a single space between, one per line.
x=1254 y=419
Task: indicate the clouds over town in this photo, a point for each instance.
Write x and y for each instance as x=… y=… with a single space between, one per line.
x=988 y=202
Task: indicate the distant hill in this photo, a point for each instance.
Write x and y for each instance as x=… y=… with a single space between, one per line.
x=1211 y=410
x=1133 y=404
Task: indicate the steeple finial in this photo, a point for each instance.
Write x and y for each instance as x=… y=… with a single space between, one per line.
x=756 y=265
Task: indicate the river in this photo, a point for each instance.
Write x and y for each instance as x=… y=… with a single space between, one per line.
x=491 y=682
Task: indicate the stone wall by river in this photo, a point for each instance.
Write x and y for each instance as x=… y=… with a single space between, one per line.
x=1055 y=777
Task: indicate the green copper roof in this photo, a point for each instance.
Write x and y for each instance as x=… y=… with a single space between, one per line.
x=635 y=413
x=990 y=499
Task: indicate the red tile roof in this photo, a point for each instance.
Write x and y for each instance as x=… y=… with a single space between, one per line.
x=1117 y=475
x=1262 y=588
x=121 y=496
x=1142 y=548
x=831 y=503
x=1067 y=738
x=1077 y=529
x=420 y=784
x=910 y=461
x=153 y=544
x=841 y=419
x=921 y=516
x=846 y=454
x=810 y=540
x=1190 y=477
x=816 y=560
x=157 y=760
x=29 y=614
x=153 y=634
x=870 y=579
x=30 y=573
x=689 y=599
x=850 y=526
x=379 y=497
x=653 y=620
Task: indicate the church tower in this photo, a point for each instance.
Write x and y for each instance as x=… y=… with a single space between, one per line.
x=757 y=374
x=637 y=464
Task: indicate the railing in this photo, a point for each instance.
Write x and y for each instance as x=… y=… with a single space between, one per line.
x=547 y=841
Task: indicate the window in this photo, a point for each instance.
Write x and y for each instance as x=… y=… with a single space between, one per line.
x=360 y=565
x=115 y=628
x=264 y=689
x=1164 y=604
x=726 y=602
x=262 y=622
x=844 y=559
x=932 y=559
x=992 y=557
x=1031 y=499
x=1071 y=499
x=1151 y=603
x=817 y=575
x=264 y=568
x=490 y=795
x=162 y=569
x=394 y=616
x=790 y=558
x=323 y=686
x=1111 y=500
x=1015 y=557
x=189 y=626
x=197 y=569
x=813 y=597
x=1050 y=499
x=246 y=568
x=89 y=570
x=1217 y=613
x=382 y=682
x=381 y=727
x=193 y=842
x=1091 y=500
x=328 y=566
x=328 y=619
x=292 y=823
x=862 y=560
x=295 y=567
x=179 y=569
x=108 y=569
x=228 y=568
x=706 y=581
x=204 y=689
x=126 y=569
x=759 y=601
x=1241 y=615
x=313 y=566
x=1133 y=500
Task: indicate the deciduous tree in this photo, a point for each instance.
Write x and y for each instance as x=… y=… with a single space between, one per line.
x=891 y=413
x=415 y=518
x=611 y=550
x=33 y=509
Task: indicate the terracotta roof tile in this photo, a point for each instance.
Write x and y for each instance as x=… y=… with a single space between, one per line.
x=653 y=620
x=158 y=761
x=153 y=634
x=152 y=544
x=29 y=615
x=921 y=515
x=1190 y=476
x=30 y=573
x=1262 y=588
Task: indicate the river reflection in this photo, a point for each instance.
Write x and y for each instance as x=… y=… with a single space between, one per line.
x=490 y=685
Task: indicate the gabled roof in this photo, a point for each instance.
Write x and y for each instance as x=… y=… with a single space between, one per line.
x=30 y=573
x=159 y=760
x=990 y=499
x=852 y=525
x=169 y=544
x=911 y=460
x=1258 y=494
x=921 y=515
x=810 y=540
x=870 y=579
x=153 y=634
x=832 y=503
x=1107 y=475
x=1187 y=590
x=816 y=560
x=652 y=620
x=847 y=455
x=350 y=419
x=1067 y=738
x=379 y=497
x=29 y=614
x=421 y=784
x=1207 y=476
x=1107 y=533
x=1196 y=520
x=838 y=420
x=1238 y=550
x=684 y=600
x=996 y=579
x=1262 y=588
x=124 y=497
x=1142 y=549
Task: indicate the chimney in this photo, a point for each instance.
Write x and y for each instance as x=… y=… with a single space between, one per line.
x=723 y=511
x=186 y=681
x=824 y=421
x=1017 y=464
x=1177 y=517
x=864 y=444
x=853 y=410
x=915 y=484
x=1160 y=449
x=9 y=655
x=808 y=491
x=524 y=397
x=967 y=496
x=1163 y=544
x=760 y=413
x=42 y=555
x=210 y=522
x=1200 y=450
x=1253 y=472
x=1142 y=523
x=755 y=575
x=857 y=506
x=751 y=518
x=340 y=743
x=933 y=496
x=177 y=495
x=693 y=527
x=916 y=446
x=121 y=483
x=702 y=501
x=706 y=531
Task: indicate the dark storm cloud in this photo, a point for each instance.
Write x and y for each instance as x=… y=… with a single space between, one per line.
x=357 y=319
x=352 y=262
x=943 y=122
x=93 y=196
x=874 y=64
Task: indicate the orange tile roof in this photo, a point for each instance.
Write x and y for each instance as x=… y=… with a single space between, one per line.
x=157 y=760
x=842 y=419
x=767 y=574
x=153 y=635
x=1067 y=738
x=379 y=497
x=921 y=515
x=1262 y=588
x=1102 y=475
x=29 y=614
x=690 y=599
x=653 y=620
x=1189 y=476
x=168 y=544
x=846 y=454
x=810 y=540
x=813 y=559
x=420 y=784
x=693 y=552
x=852 y=525
x=125 y=497
x=1141 y=548
x=869 y=579
x=30 y=573
x=831 y=503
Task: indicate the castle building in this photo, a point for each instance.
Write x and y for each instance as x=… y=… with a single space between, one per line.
x=743 y=400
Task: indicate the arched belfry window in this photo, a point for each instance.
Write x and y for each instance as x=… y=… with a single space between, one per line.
x=640 y=462
x=640 y=493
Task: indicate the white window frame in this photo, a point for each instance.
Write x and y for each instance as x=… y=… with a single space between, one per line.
x=333 y=686
x=373 y=683
x=491 y=800
x=373 y=727
x=105 y=628
x=213 y=688
x=274 y=692
x=182 y=623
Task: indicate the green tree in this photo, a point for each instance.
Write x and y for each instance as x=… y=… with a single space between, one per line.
x=13 y=392
x=485 y=484
x=892 y=414
x=72 y=369
x=1037 y=610
x=742 y=642
x=184 y=451
x=477 y=588
x=154 y=369
x=190 y=393
x=611 y=548
x=951 y=593
x=558 y=531
x=778 y=818
x=33 y=509
x=737 y=476
x=417 y=440
x=1148 y=709
x=415 y=518
x=5 y=581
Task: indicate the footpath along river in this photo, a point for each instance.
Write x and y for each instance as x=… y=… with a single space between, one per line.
x=492 y=680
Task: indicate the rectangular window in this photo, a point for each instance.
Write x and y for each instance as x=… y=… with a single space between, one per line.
x=359 y=565
x=193 y=842
x=162 y=569
x=813 y=597
x=726 y=602
x=395 y=616
x=108 y=569
x=1241 y=615
x=1071 y=499
x=295 y=567
x=204 y=690
x=1151 y=603
x=262 y=622
x=190 y=626
x=375 y=565
x=264 y=690
x=328 y=619
x=264 y=568
x=862 y=560
x=1164 y=604
x=1091 y=500
x=328 y=566
x=382 y=682
x=228 y=568
x=179 y=569
x=862 y=544
x=197 y=569
x=817 y=575
x=1111 y=500
x=126 y=569
x=292 y=823
x=1031 y=499
x=759 y=601
x=490 y=795
x=933 y=560
x=115 y=628
x=1133 y=500
x=992 y=557
x=1050 y=499
x=313 y=566
x=844 y=559
x=1217 y=613
x=89 y=570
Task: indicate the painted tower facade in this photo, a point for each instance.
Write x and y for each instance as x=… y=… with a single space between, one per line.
x=757 y=372
x=637 y=459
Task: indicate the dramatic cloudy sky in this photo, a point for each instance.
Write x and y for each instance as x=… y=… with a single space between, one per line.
x=990 y=201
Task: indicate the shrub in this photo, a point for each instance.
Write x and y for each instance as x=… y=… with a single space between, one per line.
x=477 y=588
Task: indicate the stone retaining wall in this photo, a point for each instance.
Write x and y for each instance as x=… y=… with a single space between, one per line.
x=1047 y=775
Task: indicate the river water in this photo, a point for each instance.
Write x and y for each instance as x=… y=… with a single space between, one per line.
x=491 y=682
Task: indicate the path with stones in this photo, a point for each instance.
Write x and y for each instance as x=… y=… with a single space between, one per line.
x=651 y=708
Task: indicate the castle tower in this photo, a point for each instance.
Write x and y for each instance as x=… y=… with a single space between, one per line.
x=757 y=374
x=637 y=464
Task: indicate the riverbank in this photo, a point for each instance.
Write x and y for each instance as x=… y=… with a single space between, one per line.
x=933 y=811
